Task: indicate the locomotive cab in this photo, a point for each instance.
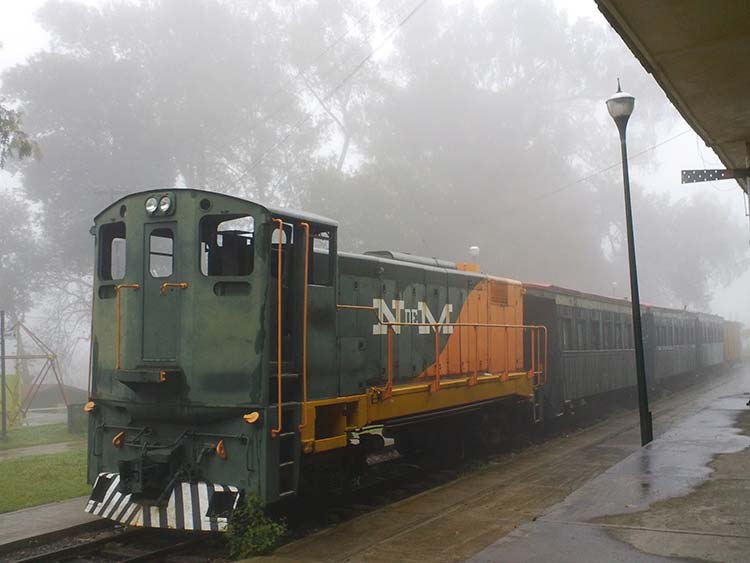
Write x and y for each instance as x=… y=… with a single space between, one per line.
x=197 y=353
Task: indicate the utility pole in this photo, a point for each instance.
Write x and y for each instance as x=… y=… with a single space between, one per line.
x=4 y=405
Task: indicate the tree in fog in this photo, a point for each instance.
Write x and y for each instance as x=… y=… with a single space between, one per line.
x=19 y=255
x=473 y=127
x=686 y=249
x=14 y=142
x=18 y=244
x=486 y=120
x=134 y=95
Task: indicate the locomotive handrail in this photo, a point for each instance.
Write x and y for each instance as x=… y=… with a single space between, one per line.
x=167 y=285
x=535 y=350
x=117 y=317
x=306 y=227
x=276 y=431
x=535 y=346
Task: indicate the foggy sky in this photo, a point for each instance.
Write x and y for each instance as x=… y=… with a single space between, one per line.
x=658 y=171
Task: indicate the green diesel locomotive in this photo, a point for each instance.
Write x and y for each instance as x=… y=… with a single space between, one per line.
x=234 y=348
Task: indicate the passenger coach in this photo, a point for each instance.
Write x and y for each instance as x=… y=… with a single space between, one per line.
x=591 y=343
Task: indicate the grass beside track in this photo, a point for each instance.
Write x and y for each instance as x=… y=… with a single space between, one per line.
x=33 y=480
x=38 y=435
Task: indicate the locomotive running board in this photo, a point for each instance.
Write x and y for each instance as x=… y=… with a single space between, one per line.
x=191 y=506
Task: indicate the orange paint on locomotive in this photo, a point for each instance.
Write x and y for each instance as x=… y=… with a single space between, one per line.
x=471 y=349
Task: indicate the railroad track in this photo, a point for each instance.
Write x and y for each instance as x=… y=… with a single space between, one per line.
x=134 y=545
x=397 y=480
x=408 y=477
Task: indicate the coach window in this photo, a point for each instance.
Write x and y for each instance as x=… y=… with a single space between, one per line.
x=596 y=335
x=567 y=334
x=581 y=334
x=112 y=247
x=227 y=245
x=161 y=253
x=618 y=335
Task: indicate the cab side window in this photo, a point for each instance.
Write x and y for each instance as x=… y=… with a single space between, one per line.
x=227 y=245
x=112 y=251
x=320 y=271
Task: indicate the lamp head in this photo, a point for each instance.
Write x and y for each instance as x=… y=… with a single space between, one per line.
x=620 y=106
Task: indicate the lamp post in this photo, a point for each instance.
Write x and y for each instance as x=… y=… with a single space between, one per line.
x=620 y=107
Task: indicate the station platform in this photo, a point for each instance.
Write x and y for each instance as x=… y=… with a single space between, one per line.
x=46 y=521
x=685 y=496
x=589 y=495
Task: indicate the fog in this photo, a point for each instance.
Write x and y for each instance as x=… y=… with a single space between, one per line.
x=421 y=126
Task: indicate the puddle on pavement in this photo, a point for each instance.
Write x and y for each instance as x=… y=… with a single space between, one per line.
x=658 y=503
x=712 y=443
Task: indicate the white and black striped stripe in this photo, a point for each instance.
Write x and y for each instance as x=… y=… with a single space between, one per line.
x=185 y=510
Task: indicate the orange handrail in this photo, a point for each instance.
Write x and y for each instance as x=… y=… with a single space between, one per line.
x=357 y=307
x=117 y=315
x=436 y=382
x=276 y=431
x=306 y=227
x=389 y=384
x=167 y=285
x=535 y=348
x=539 y=360
x=91 y=349
x=475 y=375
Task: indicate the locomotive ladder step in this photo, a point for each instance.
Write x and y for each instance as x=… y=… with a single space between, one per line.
x=285 y=464
x=287 y=494
x=287 y=434
x=284 y=375
x=285 y=366
x=536 y=406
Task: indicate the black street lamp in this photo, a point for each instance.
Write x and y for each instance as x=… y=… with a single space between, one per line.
x=620 y=107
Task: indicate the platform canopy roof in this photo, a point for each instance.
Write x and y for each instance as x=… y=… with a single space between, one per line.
x=697 y=50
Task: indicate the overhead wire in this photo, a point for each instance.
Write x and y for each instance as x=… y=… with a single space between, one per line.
x=264 y=154
x=607 y=168
x=302 y=72
x=303 y=75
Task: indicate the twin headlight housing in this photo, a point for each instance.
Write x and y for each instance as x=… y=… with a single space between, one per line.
x=160 y=204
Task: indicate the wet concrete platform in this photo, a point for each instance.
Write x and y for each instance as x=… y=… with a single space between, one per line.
x=593 y=495
x=48 y=520
x=685 y=496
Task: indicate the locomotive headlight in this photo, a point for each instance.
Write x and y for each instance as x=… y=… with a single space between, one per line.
x=165 y=204
x=151 y=205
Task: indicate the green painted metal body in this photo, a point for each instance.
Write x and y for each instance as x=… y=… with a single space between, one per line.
x=214 y=348
x=195 y=359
